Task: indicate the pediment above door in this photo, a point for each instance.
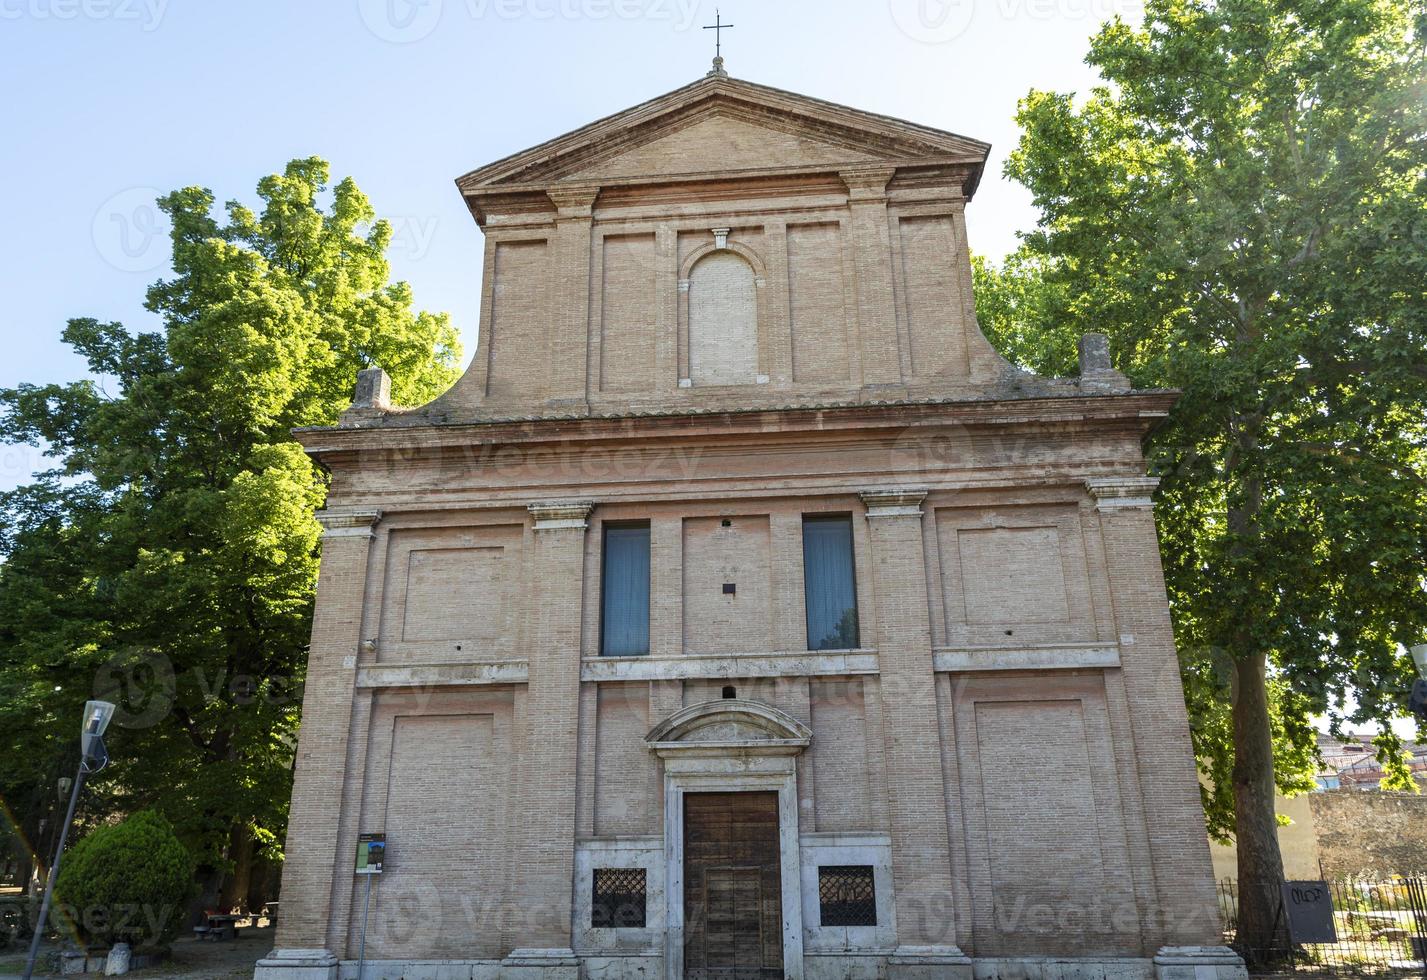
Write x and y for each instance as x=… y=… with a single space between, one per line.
x=729 y=726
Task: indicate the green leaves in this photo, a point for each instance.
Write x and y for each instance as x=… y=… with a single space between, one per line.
x=1238 y=209
x=1243 y=209
x=127 y=882
x=172 y=566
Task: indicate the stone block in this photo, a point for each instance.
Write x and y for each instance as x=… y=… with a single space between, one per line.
x=623 y=967
x=540 y=964
x=929 y=963
x=297 y=964
x=1063 y=968
x=1198 y=963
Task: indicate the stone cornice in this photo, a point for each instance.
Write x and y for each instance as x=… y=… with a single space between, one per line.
x=1120 y=492
x=528 y=205
x=894 y=501
x=1137 y=411
x=356 y=523
x=556 y=515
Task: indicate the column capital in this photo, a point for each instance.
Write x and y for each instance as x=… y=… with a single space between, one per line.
x=349 y=523
x=1122 y=492
x=574 y=202
x=867 y=183
x=552 y=515
x=894 y=501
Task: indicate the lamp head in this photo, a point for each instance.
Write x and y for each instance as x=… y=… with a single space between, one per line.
x=1419 y=657
x=97 y=715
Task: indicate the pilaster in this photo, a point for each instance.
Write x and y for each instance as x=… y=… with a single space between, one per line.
x=666 y=317
x=312 y=869
x=570 y=341
x=548 y=784
x=872 y=258
x=1186 y=912
x=778 y=332
x=926 y=899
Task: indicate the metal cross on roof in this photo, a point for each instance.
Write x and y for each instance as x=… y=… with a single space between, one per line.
x=718 y=28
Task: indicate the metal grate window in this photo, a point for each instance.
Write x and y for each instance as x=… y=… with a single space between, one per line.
x=846 y=895
x=619 y=895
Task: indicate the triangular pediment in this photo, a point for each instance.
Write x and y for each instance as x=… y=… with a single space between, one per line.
x=724 y=126
x=723 y=142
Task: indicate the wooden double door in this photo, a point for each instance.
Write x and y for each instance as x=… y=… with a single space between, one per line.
x=733 y=909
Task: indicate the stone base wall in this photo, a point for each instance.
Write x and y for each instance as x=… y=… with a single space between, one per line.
x=1172 y=963
x=1370 y=833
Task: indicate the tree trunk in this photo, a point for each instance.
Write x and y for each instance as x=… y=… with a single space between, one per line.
x=205 y=896
x=1263 y=933
x=234 y=893
x=25 y=870
x=262 y=887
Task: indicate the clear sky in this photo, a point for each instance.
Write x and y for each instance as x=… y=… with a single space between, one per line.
x=109 y=102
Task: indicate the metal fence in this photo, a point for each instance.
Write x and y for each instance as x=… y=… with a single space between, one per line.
x=1381 y=927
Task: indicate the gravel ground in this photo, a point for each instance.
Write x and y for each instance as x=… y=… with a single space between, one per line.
x=191 y=960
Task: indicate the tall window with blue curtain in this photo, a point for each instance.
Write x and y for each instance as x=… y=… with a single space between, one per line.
x=829 y=582
x=624 y=615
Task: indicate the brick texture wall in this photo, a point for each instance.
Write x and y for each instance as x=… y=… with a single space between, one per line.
x=1011 y=719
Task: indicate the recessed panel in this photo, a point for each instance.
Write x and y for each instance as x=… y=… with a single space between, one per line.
x=816 y=303
x=1013 y=575
x=445 y=816
x=451 y=593
x=931 y=297
x=1043 y=826
x=627 y=314
x=520 y=322
x=719 y=552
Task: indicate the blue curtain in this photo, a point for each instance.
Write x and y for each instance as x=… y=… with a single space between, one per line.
x=829 y=585
x=625 y=615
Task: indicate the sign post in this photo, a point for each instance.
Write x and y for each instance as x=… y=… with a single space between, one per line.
x=1309 y=905
x=371 y=855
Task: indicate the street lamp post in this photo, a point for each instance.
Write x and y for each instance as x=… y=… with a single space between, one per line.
x=93 y=757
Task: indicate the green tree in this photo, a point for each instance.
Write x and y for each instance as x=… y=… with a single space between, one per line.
x=1017 y=304
x=168 y=562
x=127 y=882
x=1243 y=209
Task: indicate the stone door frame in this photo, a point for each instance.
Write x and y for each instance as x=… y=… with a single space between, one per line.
x=731 y=746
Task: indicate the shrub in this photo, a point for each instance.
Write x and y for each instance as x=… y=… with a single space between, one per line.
x=128 y=882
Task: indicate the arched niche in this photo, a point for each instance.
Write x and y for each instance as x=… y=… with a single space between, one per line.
x=723 y=319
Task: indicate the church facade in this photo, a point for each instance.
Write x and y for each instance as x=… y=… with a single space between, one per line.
x=741 y=613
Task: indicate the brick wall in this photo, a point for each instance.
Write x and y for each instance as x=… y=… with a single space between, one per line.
x=1010 y=732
